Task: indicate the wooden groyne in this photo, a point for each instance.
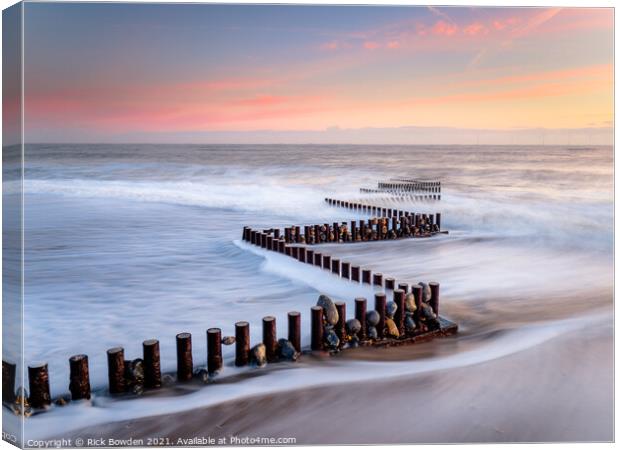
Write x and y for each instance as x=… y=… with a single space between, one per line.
x=407 y=188
x=402 y=313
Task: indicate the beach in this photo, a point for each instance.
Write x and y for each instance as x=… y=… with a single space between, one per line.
x=133 y=242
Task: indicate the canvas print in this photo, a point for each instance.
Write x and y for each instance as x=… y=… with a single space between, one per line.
x=286 y=224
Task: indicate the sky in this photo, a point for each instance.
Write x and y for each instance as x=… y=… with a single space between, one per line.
x=343 y=74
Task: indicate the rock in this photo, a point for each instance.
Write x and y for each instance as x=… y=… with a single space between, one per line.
x=410 y=324
x=330 y=312
x=287 y=350
x=228 y=340
x=372 y=318
x=392 y=329
x=258 y=355
x=372 y=333
x=390 y=309
x=167 y=379
x=138 y=389
x=202 y=375
x=426 y=292
x=332 y=340
x=353 y=327
x=410 y=303
x=63 y=400
x=427 y=311
x=354 y=342
x=134 y=372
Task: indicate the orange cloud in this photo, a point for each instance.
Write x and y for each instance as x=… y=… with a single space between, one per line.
x=475 y=28
x=371 y=45
x=393 y=44
x=444 y=28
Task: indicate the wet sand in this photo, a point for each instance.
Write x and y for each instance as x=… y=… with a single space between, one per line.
x=561 y=390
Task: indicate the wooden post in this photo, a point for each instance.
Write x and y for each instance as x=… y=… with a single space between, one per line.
x=8 y=382
x=294 y=329
x=288 y=251
x=353 y=231
x=295 y=252
x=360 y=314
x=434 y=297
x=366 y=276
x=310 y=256
x=152 y=364
x=281 y=246
x=317 y=328
x=318 y=259
x=327 y=262
x=214 y=350
x=378 y=279
x=399 y=317
x=39 y=384
x=242 y=343
x=345 y=269
x=342 y=320
x=355 y=273
x=302 y=254
x=416 y=289
x=389 y=283
x=116 y=370
x=380 y=302
x=185 y=364
x=336 y=266
x=79 y=380
x=404 y=287
x=438 y=220
x=270 y=338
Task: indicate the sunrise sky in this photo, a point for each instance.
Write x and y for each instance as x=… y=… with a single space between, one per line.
x=249 y=73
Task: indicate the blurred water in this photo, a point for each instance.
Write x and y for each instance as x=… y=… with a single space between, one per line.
x=126 y=242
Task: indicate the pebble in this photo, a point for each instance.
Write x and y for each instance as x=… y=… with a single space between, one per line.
x=134 y=372
x=392 y=329
x=410 y=303
x=353 y=327
x=354 y=342
x=228 y=340
x=202 y=375
x=409 y=323
x=332 y=340
x=372 y=333
x=372 y=318
x=258 y=355
x=330 y=312
x=426 y=292
x=63 y=400
x=287 y=350
x=390 y=309
x=167 y=379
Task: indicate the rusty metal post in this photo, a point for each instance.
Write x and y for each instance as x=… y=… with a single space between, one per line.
x=214 y=350
x=185 y=364
x=270 y=338
x=294 y=329
x=116 y=370
x=380 y=302
x=39 y=384
x=152 y=364
x=242 y=343
x=79 y=380
x=317 y=328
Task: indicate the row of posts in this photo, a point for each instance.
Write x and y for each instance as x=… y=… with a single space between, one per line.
x=410 y=186
x=79 y=379
x=402 y=195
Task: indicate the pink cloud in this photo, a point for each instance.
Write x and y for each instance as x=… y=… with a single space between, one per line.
x=393 y=44
x=444 y=28
x=475 y=29
x=371 y=45
x=333 y=45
